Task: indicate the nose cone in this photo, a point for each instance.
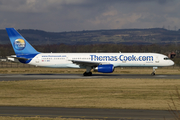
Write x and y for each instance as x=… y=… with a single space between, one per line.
x=171 y=63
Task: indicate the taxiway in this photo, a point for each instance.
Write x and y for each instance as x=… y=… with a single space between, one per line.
x=85 y=113
x=15 y=77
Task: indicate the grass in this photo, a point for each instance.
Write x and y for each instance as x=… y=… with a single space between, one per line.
x=166 y=70
x=37 y=118
x=90 y=93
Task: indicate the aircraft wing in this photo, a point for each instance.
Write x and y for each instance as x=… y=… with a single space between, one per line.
x=87 y=63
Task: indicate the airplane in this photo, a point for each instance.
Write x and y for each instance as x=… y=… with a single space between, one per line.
x=100 y=62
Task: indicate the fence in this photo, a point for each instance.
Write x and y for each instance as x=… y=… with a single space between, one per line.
x=7 y=64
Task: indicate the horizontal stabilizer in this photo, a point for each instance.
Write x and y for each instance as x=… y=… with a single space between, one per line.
x=20 y=58
x=13 y=58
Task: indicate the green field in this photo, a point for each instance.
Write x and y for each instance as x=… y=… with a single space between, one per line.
x=38 y=118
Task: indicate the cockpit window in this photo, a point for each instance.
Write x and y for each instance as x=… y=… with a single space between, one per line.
x=166 y=58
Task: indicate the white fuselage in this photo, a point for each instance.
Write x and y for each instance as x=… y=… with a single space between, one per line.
x=64 y=60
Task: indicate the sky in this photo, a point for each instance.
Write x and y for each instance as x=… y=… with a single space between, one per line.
x=78 y=15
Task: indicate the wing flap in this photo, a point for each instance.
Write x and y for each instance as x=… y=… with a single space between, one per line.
x=88 y=63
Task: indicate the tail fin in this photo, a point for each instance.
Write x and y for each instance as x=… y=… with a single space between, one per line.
x=20 y=45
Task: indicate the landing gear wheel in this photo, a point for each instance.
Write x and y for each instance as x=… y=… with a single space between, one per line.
x=153 y=74
x=154 y=71
x=90 y=74
x=87 y=73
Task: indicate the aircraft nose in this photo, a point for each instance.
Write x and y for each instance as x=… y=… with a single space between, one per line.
x=171 y=62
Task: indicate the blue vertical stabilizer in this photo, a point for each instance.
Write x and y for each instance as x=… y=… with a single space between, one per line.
x=20 y=45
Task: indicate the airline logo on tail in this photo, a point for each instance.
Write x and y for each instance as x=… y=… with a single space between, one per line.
x=19 y=44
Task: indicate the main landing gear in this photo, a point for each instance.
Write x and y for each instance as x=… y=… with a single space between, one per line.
x=154 y=71
x=88 y=72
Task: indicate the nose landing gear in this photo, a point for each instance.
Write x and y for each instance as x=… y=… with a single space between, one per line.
x=154 y=71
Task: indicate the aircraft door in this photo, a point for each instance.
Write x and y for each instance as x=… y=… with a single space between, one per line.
x=37 y=59
x=156 y=59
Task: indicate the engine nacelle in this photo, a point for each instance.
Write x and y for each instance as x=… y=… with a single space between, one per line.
x=108 y=68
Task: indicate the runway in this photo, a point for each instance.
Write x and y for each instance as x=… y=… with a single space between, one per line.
x=106 y=114
x=15 y=77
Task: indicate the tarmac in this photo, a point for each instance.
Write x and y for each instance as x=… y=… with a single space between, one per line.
x=15 y=77
x=85 y=113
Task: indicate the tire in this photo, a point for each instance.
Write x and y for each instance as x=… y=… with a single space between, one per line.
x=153 y=74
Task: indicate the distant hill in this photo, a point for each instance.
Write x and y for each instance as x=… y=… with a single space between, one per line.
x=118 y=36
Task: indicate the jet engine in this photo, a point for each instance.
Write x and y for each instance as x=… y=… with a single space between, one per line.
x=107 y=68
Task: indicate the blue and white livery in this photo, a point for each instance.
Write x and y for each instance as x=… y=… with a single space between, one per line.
x=100 y=62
